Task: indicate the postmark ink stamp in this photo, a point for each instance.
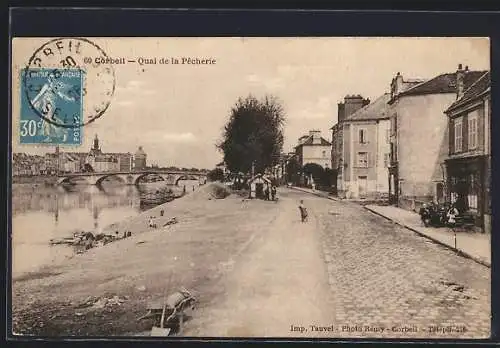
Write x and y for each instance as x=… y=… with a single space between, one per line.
x=58 y=59
x=57 y=95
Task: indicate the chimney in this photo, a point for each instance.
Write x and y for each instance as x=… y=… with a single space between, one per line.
x=316 y=136
x=460 y=80
x=341 y=112
x=397 y=85
x=353 y=103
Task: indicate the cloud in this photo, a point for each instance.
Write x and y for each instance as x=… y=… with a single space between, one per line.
x=272 y=83
x=136 y=88
x=319 y=109
x=179 y=137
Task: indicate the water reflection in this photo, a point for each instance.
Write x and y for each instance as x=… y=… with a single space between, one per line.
x=40 y=213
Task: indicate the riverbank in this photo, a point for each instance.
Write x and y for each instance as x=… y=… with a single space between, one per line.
x=35 y=179
x=195 y=252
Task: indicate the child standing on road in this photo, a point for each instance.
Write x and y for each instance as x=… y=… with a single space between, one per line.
x=303 y=211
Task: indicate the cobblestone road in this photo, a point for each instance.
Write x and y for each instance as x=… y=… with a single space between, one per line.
x=389 y=282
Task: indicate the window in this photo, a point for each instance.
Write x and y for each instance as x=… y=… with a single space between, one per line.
x=362 y=136
x=472 y=132
x=458 y=135
x=363 y=159
x=324 y=153
x=387 y=160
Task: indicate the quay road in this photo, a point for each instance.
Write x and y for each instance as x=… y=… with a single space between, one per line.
x=345 y=273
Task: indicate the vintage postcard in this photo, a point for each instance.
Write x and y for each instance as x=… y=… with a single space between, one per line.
x=328 y=187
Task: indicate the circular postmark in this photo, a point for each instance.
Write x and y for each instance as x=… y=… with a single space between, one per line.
x=69 y=82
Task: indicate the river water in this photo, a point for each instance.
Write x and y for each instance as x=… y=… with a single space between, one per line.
x=40 y=213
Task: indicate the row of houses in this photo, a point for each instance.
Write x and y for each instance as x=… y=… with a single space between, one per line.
x=73 y=162
x=424 y=140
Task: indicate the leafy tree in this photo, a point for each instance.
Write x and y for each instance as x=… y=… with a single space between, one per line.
x=216 y=175
x=292 y=169
x=316 y=171
x=253 y=134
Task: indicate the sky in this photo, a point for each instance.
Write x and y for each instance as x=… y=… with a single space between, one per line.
x=177 y=112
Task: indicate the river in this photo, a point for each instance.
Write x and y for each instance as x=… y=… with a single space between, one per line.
x=40 y=213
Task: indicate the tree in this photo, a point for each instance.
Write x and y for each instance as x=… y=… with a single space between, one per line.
x=316 y=171
x=292 y=170
x=253 y=134
x=215 y=175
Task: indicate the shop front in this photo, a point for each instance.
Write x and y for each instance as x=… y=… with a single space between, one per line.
x=468 y=186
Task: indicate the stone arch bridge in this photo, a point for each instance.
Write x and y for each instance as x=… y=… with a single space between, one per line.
x=133 y=178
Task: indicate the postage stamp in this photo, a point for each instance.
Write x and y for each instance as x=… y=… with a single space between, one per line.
x=193 y=169
x=61 y=58
x=57 y=95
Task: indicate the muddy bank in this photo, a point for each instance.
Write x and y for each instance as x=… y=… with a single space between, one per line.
x=194 y=253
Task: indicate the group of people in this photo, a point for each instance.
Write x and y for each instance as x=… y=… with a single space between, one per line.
x=270 y=194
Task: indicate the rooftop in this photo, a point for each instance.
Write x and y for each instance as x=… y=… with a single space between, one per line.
x=379 y=109
x=309 y=141
x=444 y=83
x=481 y=85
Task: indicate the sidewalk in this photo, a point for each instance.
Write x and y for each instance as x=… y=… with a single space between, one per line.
x=316 y=192
x=476 y=246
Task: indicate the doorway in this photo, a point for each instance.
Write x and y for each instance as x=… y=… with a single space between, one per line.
x=259 y=190
x=362 y=186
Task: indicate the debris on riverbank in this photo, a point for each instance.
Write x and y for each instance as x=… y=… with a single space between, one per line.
x=202 y=235
x=87 y=240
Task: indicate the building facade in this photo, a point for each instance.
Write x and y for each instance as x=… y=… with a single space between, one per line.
x=313 y=148
x=140 y=159
x=351 y=104
x=419 y=136
x=366 y=151
x=468 y=166
x=100 y=161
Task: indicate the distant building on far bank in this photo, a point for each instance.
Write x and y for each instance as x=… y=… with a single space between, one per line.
x=99 y=161
x=140 y=159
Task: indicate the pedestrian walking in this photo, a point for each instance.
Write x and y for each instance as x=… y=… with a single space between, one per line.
x=303 y=211
x=152 y=222
x=273 y=192
x=266 y=193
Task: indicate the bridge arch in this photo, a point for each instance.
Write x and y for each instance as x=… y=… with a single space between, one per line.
x=139 y=177
x=99 y=181
x=185 y=177
x=70 y=180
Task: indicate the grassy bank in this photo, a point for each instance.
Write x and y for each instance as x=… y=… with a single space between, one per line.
x=195 y=252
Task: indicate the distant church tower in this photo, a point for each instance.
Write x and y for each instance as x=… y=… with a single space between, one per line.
x=140 y=159
x=95 y=150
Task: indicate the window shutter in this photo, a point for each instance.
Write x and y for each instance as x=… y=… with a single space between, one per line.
x=451 y=143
